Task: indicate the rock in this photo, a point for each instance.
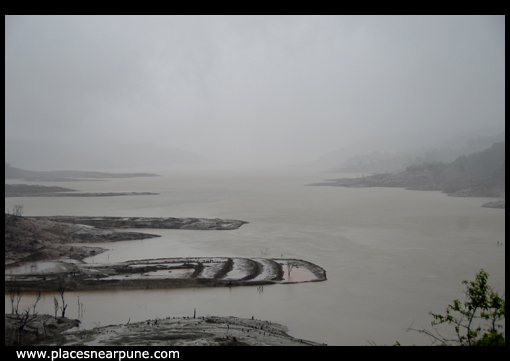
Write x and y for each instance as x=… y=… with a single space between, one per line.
x=184 y=331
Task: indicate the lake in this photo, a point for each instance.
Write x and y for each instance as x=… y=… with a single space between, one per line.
x=391 y=255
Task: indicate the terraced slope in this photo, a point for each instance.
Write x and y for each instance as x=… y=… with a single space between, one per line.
x=163 y=273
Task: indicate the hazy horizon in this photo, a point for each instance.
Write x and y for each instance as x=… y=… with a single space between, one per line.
x=251 y=89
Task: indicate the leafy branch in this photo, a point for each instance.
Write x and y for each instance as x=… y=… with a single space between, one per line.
x=476 y=320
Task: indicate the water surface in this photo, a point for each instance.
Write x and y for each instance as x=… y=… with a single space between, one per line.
x=391 y=255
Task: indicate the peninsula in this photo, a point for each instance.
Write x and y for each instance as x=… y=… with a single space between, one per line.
x=25 y=190
x=480 y=174
x=39 y=257
x=65 y=175
x=31 y=239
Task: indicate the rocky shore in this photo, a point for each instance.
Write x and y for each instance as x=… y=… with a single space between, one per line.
x=35 y=329
x=149 y=222
x=38 y=258
x=66 y=175
x=497 y=204
x=453 y=183
x=31 y=239
x=25 y=190
x=45 y=330
x=161 y=273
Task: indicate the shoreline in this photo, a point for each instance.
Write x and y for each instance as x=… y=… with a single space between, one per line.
x=63 y=270
x=162 y=273
x=30 y=239
x=46 y=330
x=453 y=185
x=39 y=258
x=25 y=190
x=147 y=222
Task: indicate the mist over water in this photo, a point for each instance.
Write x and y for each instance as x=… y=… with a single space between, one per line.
x=154 y=93
x=391 y=255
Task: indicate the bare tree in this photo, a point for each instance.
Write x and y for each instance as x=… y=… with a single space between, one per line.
x=290 y=266
x=55 y=303
x=17 y=210
x=12 y=295
x=61 y=291
x=38 y=298
x=15 y=296
x=22 y=320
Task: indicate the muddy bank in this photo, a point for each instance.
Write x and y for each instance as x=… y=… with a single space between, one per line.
x=66 y=175
x=452 y=183
x=183 y=331
x=25 y=190
x=150 y=222
x=30 y=239
x=161 y=273
x=498 y=204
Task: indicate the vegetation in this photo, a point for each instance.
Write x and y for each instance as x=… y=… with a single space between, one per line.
x=480 y=174
x=487 y=163
x=477 y=320
x=20 y=319
x=382 y=162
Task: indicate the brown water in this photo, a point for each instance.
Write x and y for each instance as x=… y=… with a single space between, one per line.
x=391 y=255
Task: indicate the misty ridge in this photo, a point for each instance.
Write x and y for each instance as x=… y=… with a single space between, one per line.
x=481 y=174
x=392 y=154
x=473 y=167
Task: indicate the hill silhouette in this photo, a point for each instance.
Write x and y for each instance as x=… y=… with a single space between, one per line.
x=481 y=174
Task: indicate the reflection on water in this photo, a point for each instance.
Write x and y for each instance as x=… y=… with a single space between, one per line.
x=299 y=275
x=391 y=255
x=38 y=267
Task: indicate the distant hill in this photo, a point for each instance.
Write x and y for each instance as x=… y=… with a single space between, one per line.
x=481 y=174
x=65 y=175
x=393 y=153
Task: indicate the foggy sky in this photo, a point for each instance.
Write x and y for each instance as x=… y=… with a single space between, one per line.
x=283 y=89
